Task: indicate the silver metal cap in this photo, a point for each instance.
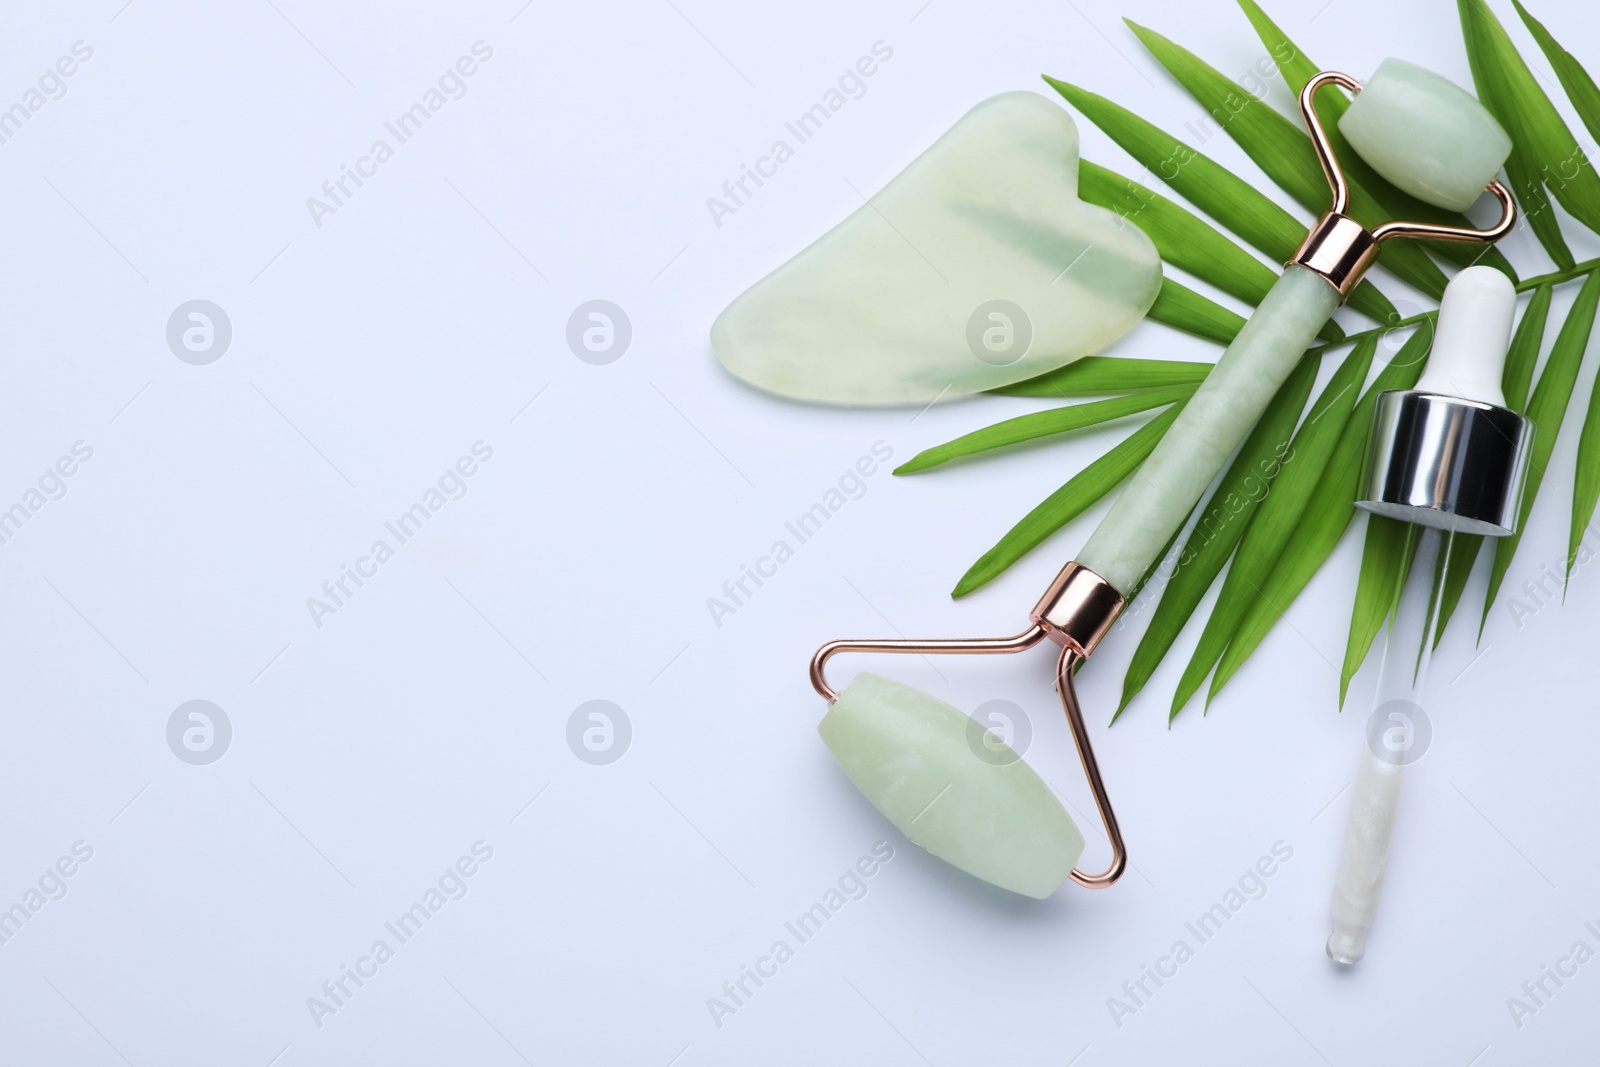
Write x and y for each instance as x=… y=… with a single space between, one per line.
x=1446 y=462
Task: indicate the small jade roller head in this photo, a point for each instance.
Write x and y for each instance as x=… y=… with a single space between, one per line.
x=1425 y=134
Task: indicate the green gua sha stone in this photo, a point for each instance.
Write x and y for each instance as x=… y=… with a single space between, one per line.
x=975 y=267
x=915 y=758
x=1425 y=134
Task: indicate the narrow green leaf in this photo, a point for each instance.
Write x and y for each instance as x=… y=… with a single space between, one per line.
x=1184 y=309
x=1457 y=566
x=1211 y=187
x=1547 y=408
x=1297 y=68
x=1282 y=150
x=1432 y=623
x=1278 y=514
x=1225 y=516
x=1521 y=172
x=1108 y=374
x=1184 y=240
x=1537 y=210
x=1328 y=513
x=1081 y=492
x=1523 y=355
x=1288 y=158
x=1530 y=118
x=1514 y=382
x=1586 y=483
x=1580 y=88
x=1206 y=184
x=1039 y=424
x=1179 y=235
x=1385 y=559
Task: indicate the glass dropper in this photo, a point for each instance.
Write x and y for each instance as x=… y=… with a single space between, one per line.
x=1446 y=458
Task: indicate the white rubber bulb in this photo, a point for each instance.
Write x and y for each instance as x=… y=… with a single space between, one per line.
x=1469 y=352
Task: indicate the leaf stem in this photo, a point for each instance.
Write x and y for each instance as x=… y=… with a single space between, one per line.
x=1352 y=338
x=1558 y=277
x=1572 y=273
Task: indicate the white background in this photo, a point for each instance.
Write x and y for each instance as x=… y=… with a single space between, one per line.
x=371 y=752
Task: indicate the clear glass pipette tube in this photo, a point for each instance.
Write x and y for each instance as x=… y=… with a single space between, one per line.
x=1398 y=732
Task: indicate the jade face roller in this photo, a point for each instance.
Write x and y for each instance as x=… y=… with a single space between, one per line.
x=1447 y=457
x=908 y=752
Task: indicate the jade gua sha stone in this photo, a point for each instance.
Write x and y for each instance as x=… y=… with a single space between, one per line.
x=975 y=267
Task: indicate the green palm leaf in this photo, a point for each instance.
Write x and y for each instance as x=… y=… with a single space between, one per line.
x=1184 y=309
x=1108 y=374
x=1038 y=424
x=1580 y=88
